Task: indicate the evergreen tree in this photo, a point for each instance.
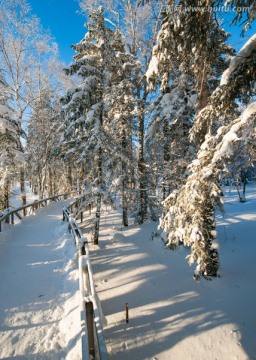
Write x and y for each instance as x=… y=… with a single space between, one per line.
x=188 y=216
x=137 y=25
x=168 y=133
x=191 y=42
x=98 y=121
x=120 y=101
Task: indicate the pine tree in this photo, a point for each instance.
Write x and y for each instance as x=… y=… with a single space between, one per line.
x=188 y=216
x=121 y=111
x=193 y=43
x=98 y=110
x=168 y=132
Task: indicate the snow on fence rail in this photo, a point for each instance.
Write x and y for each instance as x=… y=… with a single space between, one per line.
x=93 y=343
x=8 y=215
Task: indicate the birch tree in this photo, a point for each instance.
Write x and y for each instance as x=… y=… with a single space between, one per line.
x=11 y=157
x=24 y=47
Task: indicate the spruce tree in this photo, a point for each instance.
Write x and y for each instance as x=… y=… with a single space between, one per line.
x=189 y=215
x=98 y=113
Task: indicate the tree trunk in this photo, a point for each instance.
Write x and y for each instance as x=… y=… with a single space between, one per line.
x=22 y=187
x=6 y=203
x=69 y=178
x=99 y=186
x=211 y=255
x=98 y=201
x=50 y=183
x=124 y=181
x=141 y=163
x=166 y=158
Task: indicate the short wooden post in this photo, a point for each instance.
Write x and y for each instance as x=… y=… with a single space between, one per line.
x=90 y=326
x=12 y=218
x=24 y=212
x=81 y=216
x=7 y=219
x=83 y=251
x=126 y=312
x=90 y=209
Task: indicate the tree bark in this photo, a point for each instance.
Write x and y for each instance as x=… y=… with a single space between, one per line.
x=141 y=161
x=124 y=182
x=69 y=178
x=166 y=159
x=50 y=183
x=22 y=187
x=6 y=203
x=98 y=201
x=99 y=188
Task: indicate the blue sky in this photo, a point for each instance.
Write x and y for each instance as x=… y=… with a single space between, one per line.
x=62 y=19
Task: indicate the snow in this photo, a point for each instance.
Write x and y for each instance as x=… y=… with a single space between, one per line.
x=224 y=148
x=15 y=195
x=239 y=59
x=171 y=316
x=152 y=68
x=39 y=303
x=249 y=111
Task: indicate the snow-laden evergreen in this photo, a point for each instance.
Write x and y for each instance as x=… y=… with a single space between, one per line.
x=189 y=215
x=168 y=144
x=99 y=112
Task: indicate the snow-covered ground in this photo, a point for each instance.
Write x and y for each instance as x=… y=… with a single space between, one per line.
x=15 y=198
x=39 y=297
x=171 y=316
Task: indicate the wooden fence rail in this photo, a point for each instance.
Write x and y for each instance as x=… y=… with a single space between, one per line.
x=93 y=343
x=9 y=215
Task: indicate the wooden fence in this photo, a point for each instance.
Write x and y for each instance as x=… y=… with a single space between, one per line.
x=9 y=215
x=93 y=343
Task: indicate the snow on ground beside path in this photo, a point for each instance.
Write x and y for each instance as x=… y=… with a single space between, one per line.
x=171 y=315
x=15 y=198
x=39 y=297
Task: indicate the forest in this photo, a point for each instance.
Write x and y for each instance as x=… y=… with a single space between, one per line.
x=156 y=110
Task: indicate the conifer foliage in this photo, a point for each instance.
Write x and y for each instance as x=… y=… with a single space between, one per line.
x=98 y=113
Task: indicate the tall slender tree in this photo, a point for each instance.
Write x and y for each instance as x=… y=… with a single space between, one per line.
x=97 y=111
x=11 y=156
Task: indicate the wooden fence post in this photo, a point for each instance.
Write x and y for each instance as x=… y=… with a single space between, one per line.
x=126 y=312
x=7 y=219
x=90 y=326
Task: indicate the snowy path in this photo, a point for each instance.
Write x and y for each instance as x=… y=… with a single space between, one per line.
x=171 y=315
x=39 y=316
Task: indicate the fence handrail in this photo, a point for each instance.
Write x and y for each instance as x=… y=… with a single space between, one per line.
x=90 y=314
x=8 y=212
x=78 y=201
